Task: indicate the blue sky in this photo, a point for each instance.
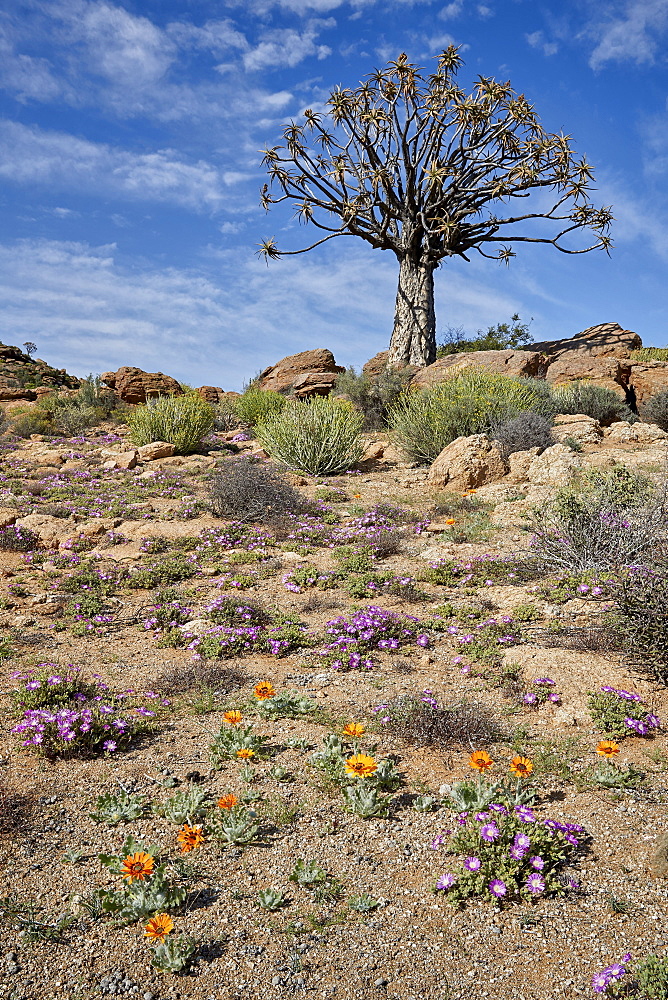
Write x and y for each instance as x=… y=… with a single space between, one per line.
x=130 y=175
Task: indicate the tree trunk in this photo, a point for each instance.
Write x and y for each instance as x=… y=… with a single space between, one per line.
x=414 y=335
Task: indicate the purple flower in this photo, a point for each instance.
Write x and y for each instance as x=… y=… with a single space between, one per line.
x=653 y=721
x=472 y=864
x=600 y=982
x=446 y=881
x=535 y=883
x=489 y=832
x=636 y=725
x=543 y=680
x=109 y=745
x=522 y=841
x=537 y=862
x=530 y=698
x=497 y=888
x=516 y=853
x=525 y=814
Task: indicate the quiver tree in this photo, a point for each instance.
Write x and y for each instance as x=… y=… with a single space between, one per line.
x=414 y=165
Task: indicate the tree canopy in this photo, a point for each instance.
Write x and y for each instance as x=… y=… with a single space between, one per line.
x=413 y=164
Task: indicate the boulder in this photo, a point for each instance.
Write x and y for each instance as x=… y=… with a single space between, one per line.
x=466 y=463
x=571 y=366
x=133 y=385
x=10 y=395
x=306 y=374
x=515 y=363
x=647 y=379
x=8 y=516
x=622 y=431
x=156 y=449
x=578 y=426
x=554 y=467
x=47 y=458
x=373 y=454
x=126 y=460
x=212 y=393
x=50 y=530
x=376 y=365
x=606 y=340
x=518 y=465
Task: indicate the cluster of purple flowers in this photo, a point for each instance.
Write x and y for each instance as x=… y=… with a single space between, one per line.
x=611 y=974
x=14 y=538
x=540 y=693
x=73 y=715
x=488 y=629
x=486 y=569
x=367 y=630
x=636 y=718
x=233 y=536
x=506 y=860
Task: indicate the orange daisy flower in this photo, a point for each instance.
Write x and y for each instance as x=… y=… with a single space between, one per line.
x=233 y=718
x=264 y=689
x=137 y=866
x=227 y=801
x=480 y=760
x=354 y=729
x=159 y=927
x=449 y=520
x=360 y=765
x=245 y=753
x=521 y=766
x=190 y=837
x=607 y=748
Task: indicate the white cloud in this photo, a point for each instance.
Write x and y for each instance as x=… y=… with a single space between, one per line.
x=64 y=162
x=634 y=35
x=451 y=10
x=89 y=311
x=537 y=41
x=636 y=220
x=287 y=47
x=27 y=77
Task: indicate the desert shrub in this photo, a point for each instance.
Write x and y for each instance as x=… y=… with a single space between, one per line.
x=650 y=354
x=423 y=721
x=181 y=420
x=250 y=491
x=527 y=430
x=30 y=421
x=603 y=520
x=319 y=436
x=621 y=713
x=655 y=410
x=257 y=405
x=14 y=538
x=641 y=619
x=210 y=675
x=226 y=417
x=513 y=335
x=374 y=396
x=593 y=400
x=471 y=402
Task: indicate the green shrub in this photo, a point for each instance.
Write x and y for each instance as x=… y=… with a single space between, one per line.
x=503 y=336
x=181 y=420
x=255 y=406
x=650 y=354
x=655 y=410
x=30 y=421
x=593 y=400
x=226 y=417
x=470 y=402
x=374 y=396
x=319 y=436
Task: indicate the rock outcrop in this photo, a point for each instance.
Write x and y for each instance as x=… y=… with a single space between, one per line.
x=310 y=373
x=583 y=429
x=133 y=385
x=21 y=376
x=605 y=340
x=571 y=366
x=212 y=393
x=647 y=378
x=517 y=363
x=468 y=462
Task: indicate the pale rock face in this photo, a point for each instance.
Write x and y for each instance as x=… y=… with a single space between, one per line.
x=578 y=426
x=648 y=378
x=133 y=385
x=554 y=467
x=515 y=363
x=571 y=366
x=468 y=462
x=604 y=340
x=519 y=463
x=622 y=431
x=156 y=449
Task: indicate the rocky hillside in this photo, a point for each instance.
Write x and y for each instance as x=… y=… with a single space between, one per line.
x=21 y=376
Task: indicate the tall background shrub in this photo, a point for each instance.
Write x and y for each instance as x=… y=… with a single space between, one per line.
x=181 y=420
x=320 y=436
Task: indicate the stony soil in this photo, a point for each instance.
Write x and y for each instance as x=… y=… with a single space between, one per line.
x=413 y=945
